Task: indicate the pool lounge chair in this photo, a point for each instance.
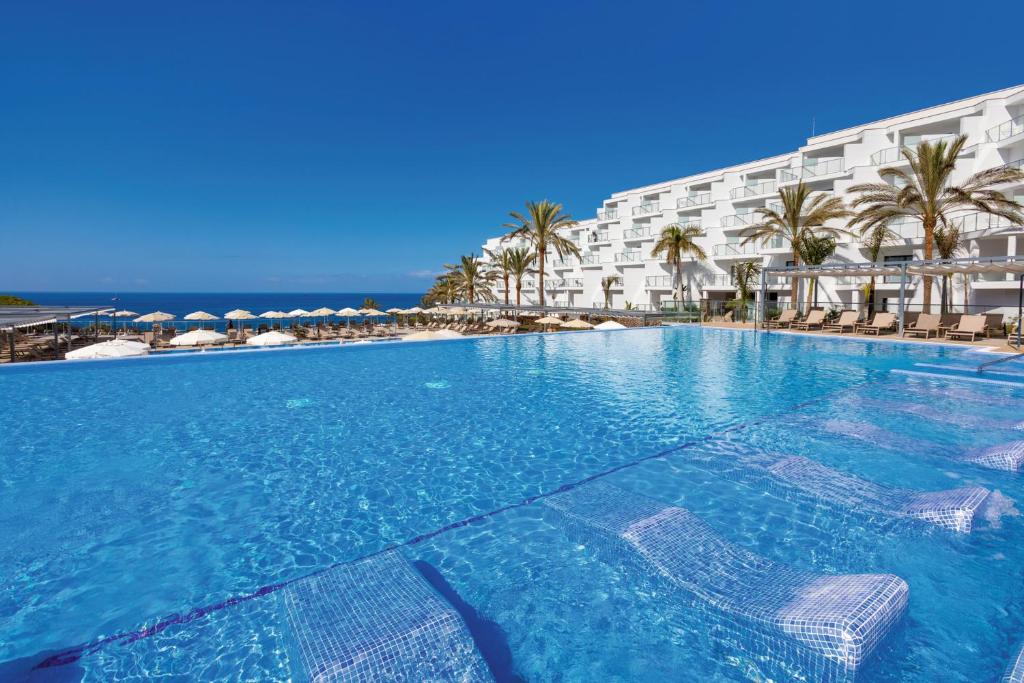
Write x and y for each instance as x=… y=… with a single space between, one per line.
x=814 y=319
x=824 y=626
x=785 y=319
x=926 y=324
x=969 y=326
x=883 y=322
x=848 y=319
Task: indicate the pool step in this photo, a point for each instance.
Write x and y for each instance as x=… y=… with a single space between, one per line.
x=825 y=626
x=378 y=619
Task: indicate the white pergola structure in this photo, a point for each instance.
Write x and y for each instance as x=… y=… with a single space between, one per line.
x=936 y=267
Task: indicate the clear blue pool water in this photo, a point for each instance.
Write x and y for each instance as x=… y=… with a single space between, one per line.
x=134 y=490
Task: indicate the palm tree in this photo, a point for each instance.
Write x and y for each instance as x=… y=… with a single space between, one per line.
x=801 y=216
x=443 y=291
x=743 y=275
x=948 y=242
x=675 y=243
x=520 y=263
x=926 y=193
x=815 y=250
x=471 y=279
x=607 y=283
x=874 y=238
x=540 y=228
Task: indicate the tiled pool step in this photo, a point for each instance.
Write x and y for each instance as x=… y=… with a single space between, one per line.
x=824 y=626
x=1015 y=670
x=378 y=619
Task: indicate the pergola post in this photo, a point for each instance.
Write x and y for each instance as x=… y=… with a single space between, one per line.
x=903 y=292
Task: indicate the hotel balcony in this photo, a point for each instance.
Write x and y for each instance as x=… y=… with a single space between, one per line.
x=607 y=216
x=658 y=282
x=762 y=188
x=599 y=237
x=637 y=234
x=629 y=258
x=1006 y=130
x=563 y=264
x=565 y=283
x=739 y=220
x=647 y=209
x=590 y=261
x=983 y=223
x=694 y=201
x=821 y=169
x=893 y=155
x=732 y=250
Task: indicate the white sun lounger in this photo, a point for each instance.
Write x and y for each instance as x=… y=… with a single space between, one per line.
x=379 y=620
x=827 y=626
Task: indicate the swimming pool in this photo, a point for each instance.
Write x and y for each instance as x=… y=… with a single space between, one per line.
x=140 y=489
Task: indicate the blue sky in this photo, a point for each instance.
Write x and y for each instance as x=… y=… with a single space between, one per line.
x=337 y=146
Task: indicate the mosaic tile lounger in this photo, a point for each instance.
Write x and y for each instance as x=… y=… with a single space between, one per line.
x=824 y=626
x=379 y=620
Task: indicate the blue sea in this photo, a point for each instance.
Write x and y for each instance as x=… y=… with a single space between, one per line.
x=156 y=512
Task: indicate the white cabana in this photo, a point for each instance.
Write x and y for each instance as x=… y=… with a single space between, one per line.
x=198 y=338
x=273 y=338
x=115 y=348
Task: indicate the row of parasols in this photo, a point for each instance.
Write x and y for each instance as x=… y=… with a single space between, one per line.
x=240 y=314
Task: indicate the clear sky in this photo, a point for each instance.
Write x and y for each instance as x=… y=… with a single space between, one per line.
x=340 y=146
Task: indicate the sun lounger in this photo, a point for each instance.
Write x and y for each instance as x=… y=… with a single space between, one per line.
x=378 y=619
x=814 y=319
x=926 y=324
x=848 y=319
x=825 y=625
x=883 y=322
x=969 y=326
x=785 y=319
x=995 y=322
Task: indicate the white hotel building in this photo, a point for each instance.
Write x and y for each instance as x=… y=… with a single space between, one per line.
x=722 y=202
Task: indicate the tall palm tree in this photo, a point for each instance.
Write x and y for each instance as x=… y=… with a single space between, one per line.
x=607 y=283
x=743 y=275
x=926 y=192
x=502 y=261
x=874 y=238
x=471 y=279
x=948 y=241
x=801 y=215
x=443 y=291
x=520 y=261
x=540 y=226
x=815 y=250
x=677 y=242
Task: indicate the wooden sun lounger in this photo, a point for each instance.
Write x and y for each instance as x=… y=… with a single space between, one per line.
x=969 y=326
x=883 y=322
x=785 y=319
x=926 y=324
x=848 y=319
x=814 y=319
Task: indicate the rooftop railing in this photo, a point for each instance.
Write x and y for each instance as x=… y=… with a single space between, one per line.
x=1006 y=129
x=607 y=214
x=635 y=256
x=755 y=190
x=693 y=200
x=646 y=208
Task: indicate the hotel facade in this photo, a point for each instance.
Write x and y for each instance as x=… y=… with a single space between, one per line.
x=722 y=203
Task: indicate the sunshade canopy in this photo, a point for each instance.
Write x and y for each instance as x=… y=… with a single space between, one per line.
x=197 y=338
x=239 y=314
x=323 y=311
x=549 y=320
x=200 y=315
x=348 y=313
x=154 y=317
x=274 y=338
x=577 y=325
x=115 y=348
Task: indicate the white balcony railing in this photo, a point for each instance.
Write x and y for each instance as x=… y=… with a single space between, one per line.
x=756 y=190
x=734 y=249
x=739 y=220
x=824 y=167
x=658 y=282
x=972 y=222
x=590 y=260
x=566 y=283
x=647 y=208
x=635 y=256
x=698 y=199
x=598 y=237
x=607 y=214
x=638 y=233
x=1006 y=129
x=564 y=263
x=891 y=155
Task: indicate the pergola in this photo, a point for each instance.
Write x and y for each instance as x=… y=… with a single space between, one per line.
x=17 y=317
x=936 y=267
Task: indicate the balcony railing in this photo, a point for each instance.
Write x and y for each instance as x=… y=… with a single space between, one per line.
x=1006 y=129
x=891 y=155
x=599 y=236
x=566 y=283
x=590 y=260
x=823 y=168
x=658 y=282
x=564 y=263
x=646 y=208
x=1018 y=164
x=980 y=221
x=693 y=200
x=636 y=233
x=765 y=187
x=735 y=249
x=629 y=257
x=739 y=220
x=608 y=215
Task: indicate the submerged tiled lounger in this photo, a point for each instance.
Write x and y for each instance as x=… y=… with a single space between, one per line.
x=953 y=509
x=1004 y=456
x=826 y=625
x=378 y=619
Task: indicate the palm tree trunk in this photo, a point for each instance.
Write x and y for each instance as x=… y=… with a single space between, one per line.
x=506 y=289
x=679 y=284
x=929 y=237
x=540 y=272
x=794 y=287
x=871 y=295
x=519 y=289
x=965 y=292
